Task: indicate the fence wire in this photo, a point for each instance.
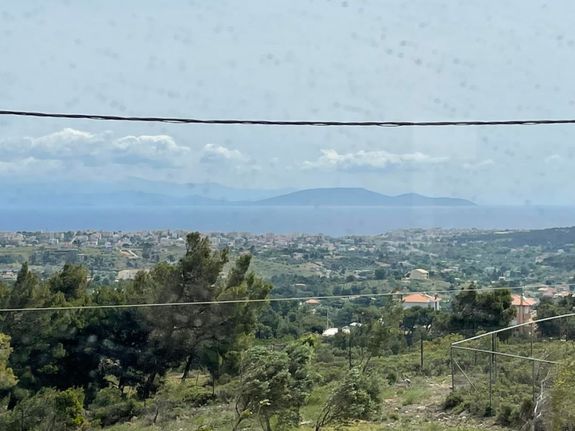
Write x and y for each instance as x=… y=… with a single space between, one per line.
x=513 y=367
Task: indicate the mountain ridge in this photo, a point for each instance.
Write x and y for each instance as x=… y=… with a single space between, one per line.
x=209 y=194
x=357 y=196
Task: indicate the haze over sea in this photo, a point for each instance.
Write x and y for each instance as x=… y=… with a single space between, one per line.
x=335 y=221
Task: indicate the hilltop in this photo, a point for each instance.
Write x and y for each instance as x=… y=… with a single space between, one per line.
x=346 y=196
x=155 y=193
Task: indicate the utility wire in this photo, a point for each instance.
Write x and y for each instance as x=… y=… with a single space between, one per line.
x=237 y=301
x=175 y=120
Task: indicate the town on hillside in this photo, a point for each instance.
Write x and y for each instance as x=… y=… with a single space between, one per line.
x=535 y=264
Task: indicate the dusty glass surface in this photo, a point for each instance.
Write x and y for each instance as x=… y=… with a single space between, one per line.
x=240 y=269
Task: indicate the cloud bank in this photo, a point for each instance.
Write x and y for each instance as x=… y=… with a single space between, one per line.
x=71 y=145
x=217 y=154
x=362 y=160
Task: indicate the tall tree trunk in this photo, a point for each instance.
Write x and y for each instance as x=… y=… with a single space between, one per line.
x=12 y=401
x=349 y=352
x=148 y=385
x=156 y=414
x=237 y=423
x=239 y=417
x=187 y=367
x=267 y=423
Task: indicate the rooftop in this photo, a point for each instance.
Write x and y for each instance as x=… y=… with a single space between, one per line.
x=527 y=302
x=419 y=298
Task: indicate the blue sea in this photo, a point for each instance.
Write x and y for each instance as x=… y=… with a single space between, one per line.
x=335 y=221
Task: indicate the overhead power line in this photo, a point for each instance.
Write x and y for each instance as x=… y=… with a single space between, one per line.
x=236 y=301
x=248 y=122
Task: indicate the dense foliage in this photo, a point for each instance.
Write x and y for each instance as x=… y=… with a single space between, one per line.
x=94 y=349
x=265 y=361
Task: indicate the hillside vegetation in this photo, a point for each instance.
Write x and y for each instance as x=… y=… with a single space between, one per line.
x=237 y=360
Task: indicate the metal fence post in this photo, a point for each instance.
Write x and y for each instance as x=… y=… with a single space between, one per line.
x=534 y=383
x=452 y=368
x=491 y=360
x=532 y=336
x=421 y=354
x=533 y=365
x=492 y=351
x=495 y=359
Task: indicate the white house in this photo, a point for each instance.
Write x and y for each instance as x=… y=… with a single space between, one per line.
x=418 y=274
x=129 y=274
x=330 y=332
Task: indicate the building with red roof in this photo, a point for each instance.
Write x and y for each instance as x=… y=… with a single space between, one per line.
x=523 y=308
x=421 y=300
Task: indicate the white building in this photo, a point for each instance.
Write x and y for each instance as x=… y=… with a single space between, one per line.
x=418 y=274
x=330 y=332
x=128 y=274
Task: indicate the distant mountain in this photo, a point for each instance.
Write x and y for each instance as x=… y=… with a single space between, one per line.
x=232 y=194
x=414 y=199
x=128 y=192
x=102 y=200
x=213 y=191
x=342 y=196
x=137 y=192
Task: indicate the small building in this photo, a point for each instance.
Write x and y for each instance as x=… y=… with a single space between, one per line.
x=312 y=301
x=330 y=332
x=418 y=274
x=128 y=274
x=421 y=300
x=546 y=292
x=9 y=275
x=523 y=308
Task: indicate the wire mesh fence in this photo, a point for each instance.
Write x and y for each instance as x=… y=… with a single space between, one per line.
x=512 y=368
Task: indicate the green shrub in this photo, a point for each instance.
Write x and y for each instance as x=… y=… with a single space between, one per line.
x=325 y=354
x=356 y=397
x=224 y=379
x=413 y=395
x=110 y=406
x=507 y=415
x=476 y=404
x=227 y=392
x=331 y=372
x=186 y=394
x=563 y=397
x=526 y=409
x=175 y=399
x=391 y=378
x=452 y=400
x=47 y=409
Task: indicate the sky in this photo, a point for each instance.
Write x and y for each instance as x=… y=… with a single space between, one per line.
x=415 y=60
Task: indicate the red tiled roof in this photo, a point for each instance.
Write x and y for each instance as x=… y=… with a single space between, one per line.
x=527 y=302
x=418 y=298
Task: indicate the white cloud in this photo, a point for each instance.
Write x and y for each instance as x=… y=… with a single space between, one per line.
x=76 y=153
x=62 y=144
x=155 y=148
x=61 y=138
x=474 y=166
x=369 y=160
x=217 y=154
x=553 y=159
x=29 y=164
x=97 y=149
